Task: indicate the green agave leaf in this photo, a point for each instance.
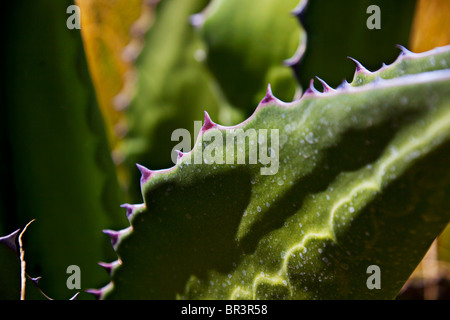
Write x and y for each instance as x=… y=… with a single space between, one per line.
x=407 y=63
x=64 y=176
x=355 y=177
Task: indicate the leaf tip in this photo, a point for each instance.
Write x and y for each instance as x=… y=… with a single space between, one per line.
x=311 y=90
x=129 y=209
x=404 y=51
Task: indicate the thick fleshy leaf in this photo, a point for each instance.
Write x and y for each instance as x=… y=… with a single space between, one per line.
x=431 y=25
x=342 y=181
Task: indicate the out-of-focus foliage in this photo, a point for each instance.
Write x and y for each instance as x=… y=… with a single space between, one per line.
x=58 y=157
x=107 y=30
x=431 y=27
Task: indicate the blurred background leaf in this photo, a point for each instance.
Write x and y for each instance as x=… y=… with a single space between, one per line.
x=55 y=137
x=61 y=167
x=431 y=279
x=170 y=90
x=247 y=46
x=106 y=29
x=431 y=27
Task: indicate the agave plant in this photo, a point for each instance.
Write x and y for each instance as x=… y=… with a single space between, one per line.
x=289 y=191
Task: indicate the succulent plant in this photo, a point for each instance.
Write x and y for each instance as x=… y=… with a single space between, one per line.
x=357 y=177
x=61 y=172
x=289 y=192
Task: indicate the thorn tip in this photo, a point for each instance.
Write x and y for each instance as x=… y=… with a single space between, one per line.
x=129 y=208
x=326 y=87
x=114 y=236
x=208 y=124
x=269 y=97
x=10 y=241
x=145 y=173
x=311 y=91
x=359 y=67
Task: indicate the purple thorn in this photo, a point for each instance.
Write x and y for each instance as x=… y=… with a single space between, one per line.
x=359 y=67
x=10 y=241
x=311 y=90
x=36 y=280
x=404 y=51
x=146 y=173
x=114 y=235
x=208 y=123
x=269 y=96
x=180 y=154
x=344 y=84
x=97 y=293
x=108 y=266
x=326 y=87
x=129 y=208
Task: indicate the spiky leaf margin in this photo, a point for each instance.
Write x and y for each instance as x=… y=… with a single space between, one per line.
x=363 y=180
